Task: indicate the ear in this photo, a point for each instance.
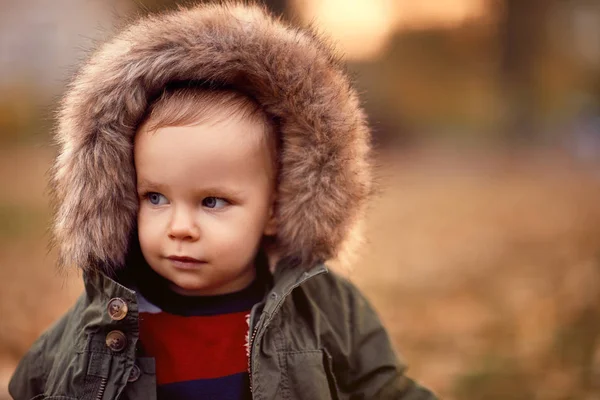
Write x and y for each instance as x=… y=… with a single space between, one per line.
x=271 y=225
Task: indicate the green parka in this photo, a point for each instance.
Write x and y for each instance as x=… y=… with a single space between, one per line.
x=314 y=336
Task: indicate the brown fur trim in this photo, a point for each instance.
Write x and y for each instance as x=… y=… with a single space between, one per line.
x=325 y=176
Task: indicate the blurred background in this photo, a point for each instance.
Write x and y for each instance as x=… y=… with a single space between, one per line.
x=483 y=246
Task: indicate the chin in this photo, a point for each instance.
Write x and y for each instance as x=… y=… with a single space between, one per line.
x=189 y=290
x=187 y=284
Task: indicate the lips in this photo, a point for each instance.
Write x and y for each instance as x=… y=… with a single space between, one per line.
x=185 y=263
x=184 y=259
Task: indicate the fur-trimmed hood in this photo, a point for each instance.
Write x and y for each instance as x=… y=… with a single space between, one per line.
x=325 y=176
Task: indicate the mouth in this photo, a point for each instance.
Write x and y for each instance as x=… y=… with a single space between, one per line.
x=184 y=262
x=184 y=259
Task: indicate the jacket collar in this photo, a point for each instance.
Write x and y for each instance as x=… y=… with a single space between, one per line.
x=98 y=284
x=285 y=279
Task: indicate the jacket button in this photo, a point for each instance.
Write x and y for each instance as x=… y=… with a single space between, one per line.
x=135 y=373
x=117 y=309
x=116 y=340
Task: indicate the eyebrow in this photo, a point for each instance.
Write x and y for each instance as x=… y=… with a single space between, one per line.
x=217 y=191
x=220 y=191
x=145 y=183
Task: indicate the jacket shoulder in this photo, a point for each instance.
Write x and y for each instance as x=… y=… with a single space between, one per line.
x=335 y=293
x=364 y=361
x=344 y=310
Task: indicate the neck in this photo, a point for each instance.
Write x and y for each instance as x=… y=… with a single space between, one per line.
x=239 y=283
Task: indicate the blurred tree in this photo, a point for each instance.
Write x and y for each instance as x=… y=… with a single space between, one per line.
x=521 y=38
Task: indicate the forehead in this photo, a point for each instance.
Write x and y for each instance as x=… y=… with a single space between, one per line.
x=193 y=105
x=216 y=151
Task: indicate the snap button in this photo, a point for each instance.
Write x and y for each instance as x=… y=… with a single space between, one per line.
x=116 y=340
x=135 y=373
x=117 y=309
x=273 y=295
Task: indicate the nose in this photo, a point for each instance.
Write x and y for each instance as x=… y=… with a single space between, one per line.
x=183 y=226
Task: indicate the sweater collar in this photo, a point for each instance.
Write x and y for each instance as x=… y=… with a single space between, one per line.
x=282 y=282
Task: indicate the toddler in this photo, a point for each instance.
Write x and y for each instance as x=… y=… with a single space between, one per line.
x=211 y=161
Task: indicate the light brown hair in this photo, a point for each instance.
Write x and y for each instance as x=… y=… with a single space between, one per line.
x=193 y=105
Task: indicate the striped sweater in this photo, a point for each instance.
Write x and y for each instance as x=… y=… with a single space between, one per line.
x=200 y=344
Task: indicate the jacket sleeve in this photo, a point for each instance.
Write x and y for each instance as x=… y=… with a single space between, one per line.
x=374 y=372
x=29 y=378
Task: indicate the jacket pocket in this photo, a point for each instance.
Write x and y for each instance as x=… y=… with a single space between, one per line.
x=308 y=376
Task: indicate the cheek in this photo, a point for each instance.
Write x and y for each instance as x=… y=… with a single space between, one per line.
x=227 y=238
x=250 y=228
x=148 y=231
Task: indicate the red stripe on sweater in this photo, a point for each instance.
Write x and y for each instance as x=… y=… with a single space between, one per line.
x=187 y=348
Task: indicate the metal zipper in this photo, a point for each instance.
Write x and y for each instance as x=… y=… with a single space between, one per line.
x=251 y=341
x=102 y=389
x=250 y=359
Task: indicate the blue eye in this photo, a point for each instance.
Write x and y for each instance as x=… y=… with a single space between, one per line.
x=214 y=202
x=156 y=198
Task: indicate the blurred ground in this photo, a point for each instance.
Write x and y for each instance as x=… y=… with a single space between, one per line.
x=485 y=270
x=484 y=266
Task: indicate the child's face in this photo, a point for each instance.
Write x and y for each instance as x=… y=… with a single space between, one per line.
x=206 y=192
